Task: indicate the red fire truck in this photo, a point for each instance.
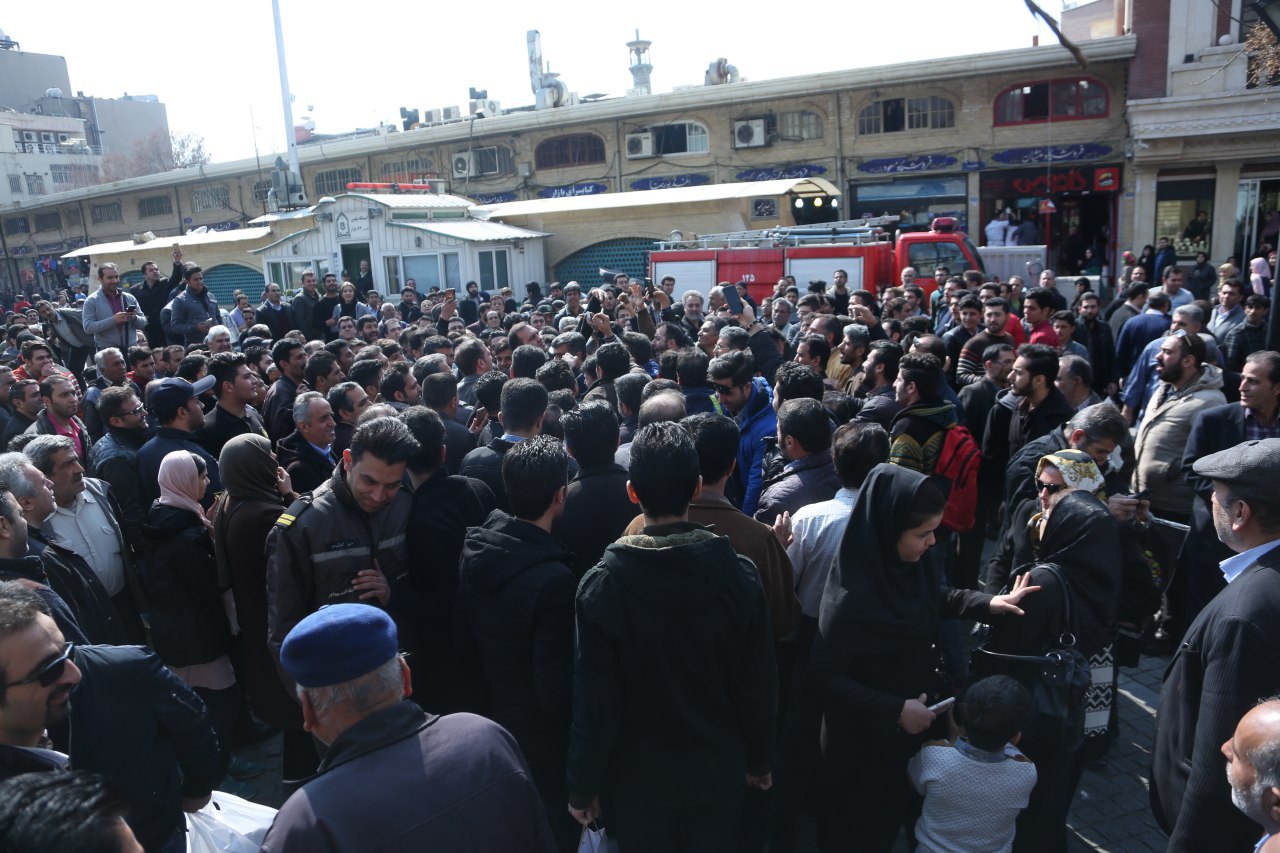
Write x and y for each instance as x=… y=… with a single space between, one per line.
x=861 y=247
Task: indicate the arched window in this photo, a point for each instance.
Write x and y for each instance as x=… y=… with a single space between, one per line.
x=1051 y=100
x=893 y=115
x=573 y=149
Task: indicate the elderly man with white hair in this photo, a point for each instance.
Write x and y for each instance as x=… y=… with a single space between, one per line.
x=218 y=339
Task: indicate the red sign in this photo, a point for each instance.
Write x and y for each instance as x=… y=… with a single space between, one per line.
x=1070 y=181
x=1107 y=179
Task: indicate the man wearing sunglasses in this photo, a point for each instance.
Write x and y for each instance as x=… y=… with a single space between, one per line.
x=37 y=675
x=130 y=719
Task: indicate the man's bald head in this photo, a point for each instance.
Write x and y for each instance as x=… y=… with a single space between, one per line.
x=1253 y=764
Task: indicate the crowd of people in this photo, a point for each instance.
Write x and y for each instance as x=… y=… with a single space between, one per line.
x=710 y=571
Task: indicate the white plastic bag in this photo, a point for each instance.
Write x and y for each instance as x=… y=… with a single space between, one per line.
x=596 y=841
x=228 y=824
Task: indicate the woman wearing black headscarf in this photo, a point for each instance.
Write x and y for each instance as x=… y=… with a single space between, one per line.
x=1078 y=535
x=256 y=491
x=874 y=662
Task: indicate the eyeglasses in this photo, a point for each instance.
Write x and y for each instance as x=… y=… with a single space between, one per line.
x=1051 y=488
x=723 y=389
x=141 y=408
x=51 y=672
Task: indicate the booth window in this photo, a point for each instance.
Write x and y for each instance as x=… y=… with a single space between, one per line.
x=573 y=149
x=1051 y=100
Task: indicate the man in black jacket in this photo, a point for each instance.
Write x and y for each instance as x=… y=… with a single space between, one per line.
x=176 y=405
x=307 y=452
x=1229 y=658
x=524 y=402
x=114 y=458
x=291 y=358
x=131 y=719
x=596 y=508
x=444 y=506
x=515 y=618
x=674 y=592
x=153 y=294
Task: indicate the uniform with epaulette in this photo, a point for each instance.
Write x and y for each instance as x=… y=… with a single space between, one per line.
x=320 y=543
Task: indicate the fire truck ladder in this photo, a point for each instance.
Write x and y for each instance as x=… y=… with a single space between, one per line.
x=855 y=231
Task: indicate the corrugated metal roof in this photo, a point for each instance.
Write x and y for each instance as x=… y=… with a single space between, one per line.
x=413 y=201
x=475 y=230
x=234 y=236
x=645 y=198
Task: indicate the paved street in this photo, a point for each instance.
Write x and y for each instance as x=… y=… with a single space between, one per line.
x=1110 y=812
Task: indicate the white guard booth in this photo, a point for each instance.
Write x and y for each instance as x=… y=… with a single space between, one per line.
x=430 y=238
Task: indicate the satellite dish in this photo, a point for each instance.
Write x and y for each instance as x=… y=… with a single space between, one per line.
x=53 y=92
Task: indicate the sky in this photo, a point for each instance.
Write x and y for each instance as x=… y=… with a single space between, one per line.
x=354 y=65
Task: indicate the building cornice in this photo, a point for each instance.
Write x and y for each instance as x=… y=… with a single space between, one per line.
x=638 y=109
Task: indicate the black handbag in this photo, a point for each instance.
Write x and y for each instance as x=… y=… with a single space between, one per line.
x=1062 y=676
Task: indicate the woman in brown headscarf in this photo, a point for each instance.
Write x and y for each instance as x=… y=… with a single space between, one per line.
x=256 y=491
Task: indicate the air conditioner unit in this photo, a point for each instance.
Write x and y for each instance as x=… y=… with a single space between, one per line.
x=46 y=136
x=432 y=116
x=490 y=108
x=451 y=113
x=64 y=138
x=28 y=136
x=463 y=165
x=750 y=133
x=639 y=145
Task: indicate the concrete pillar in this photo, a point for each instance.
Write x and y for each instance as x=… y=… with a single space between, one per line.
x=1227 y=174
x=1143 y=207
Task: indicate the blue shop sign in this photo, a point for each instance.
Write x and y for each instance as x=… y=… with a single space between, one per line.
x=779 y=173
x=899 y=165
x=667 y=182
x=570 y=190
x=1051 y=154
x=229 y=225
x=49 y=248
x=492 y=198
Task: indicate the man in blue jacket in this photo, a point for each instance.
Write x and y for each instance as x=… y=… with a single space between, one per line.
x=748 y=399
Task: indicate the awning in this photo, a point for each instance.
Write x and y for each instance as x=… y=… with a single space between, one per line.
x=284 y=215
x=286 y=238
x=646 y=198
x=183 y=241
x=473 y=230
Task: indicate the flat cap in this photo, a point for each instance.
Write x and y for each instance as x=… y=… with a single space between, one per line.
x=338 y=643
x=1251 y=468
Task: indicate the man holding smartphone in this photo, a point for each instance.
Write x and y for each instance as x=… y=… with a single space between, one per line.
x=110 y=314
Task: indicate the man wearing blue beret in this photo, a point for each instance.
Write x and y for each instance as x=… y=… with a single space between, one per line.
x=395 y=777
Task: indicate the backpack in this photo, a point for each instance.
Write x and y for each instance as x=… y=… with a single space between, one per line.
x=957 y=473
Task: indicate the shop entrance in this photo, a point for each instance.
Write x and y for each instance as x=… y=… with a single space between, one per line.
x=1257 y=218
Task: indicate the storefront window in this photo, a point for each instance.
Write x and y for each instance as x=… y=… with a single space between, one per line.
x=1184 y=214
x=916 y=202
x=1257 y=218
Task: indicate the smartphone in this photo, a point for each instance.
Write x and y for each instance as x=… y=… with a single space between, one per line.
x=475 y=416
x=593 y=304
x=1144 y=495
x=450 y=293
x=733 y=299
x=943 y=705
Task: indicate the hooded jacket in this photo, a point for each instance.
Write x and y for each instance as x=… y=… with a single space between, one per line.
x=514 y=620
x=1162 y=438
x=675 y=686
x=756 y=421
x=918 y=433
